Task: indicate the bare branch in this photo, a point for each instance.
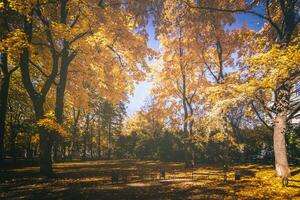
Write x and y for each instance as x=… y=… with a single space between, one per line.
x=259 y=117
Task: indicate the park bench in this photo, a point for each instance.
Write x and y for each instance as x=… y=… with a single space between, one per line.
x=148 y=174
x=224 y=174
x=162 y=173
x=180 y=173
x=118 y=175
x=209 y=175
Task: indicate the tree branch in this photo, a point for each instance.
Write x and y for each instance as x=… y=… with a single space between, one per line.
x=259 y=117
x=247 y=11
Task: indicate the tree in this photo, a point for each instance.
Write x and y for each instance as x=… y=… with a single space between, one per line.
x=60 y=39
x=279 y=31
x=12 y=41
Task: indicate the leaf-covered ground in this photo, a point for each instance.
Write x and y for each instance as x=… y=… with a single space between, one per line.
x=92 y=180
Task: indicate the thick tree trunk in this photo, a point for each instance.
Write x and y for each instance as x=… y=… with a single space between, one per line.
x=45 y=153
x=38 y=100
x=3 y=102
x=281 y=161
x=46 y=142
x=282 y=101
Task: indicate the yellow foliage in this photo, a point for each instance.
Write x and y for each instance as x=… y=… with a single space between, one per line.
x=35 y=138
x=13 y=45
x=269 y=68
x=50 y=124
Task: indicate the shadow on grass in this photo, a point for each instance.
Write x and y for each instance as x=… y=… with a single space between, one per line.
x=294 y=173
x=91 y=180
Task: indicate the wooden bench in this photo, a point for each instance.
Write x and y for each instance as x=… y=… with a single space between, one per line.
x=177 y=173
x=118 y=175
x=148 y=174
x=209 y=174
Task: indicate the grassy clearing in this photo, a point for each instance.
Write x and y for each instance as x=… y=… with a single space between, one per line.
x=92 y=180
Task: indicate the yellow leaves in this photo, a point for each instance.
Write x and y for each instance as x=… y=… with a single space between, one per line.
x=13 y=45
x=268 y=68
x=14 y=42
x=219 y=137
x=35 y=138
x=114 y=54
x=1 y=5
x=50 y=124
x=22 y=6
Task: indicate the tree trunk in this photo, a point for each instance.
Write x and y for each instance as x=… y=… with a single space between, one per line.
x=281 y=161
x=99 y=141
x=55 y=148
x=13 y=142
x=84 y=148
x=63 y=74
x=45 y=152
x=59 y=104
x=46 y=142
x=85 y=136
x=91 y=140
x=28 y=149
x=38 y=98
x=3 y=102
x=109 y=141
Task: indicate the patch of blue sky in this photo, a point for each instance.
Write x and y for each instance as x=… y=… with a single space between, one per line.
x=143 y=89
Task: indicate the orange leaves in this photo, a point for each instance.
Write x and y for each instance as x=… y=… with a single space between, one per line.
x=113 y=58
x=50 y=124
x=13 y=45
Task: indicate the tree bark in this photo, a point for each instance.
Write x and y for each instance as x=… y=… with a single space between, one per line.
x=45 y=153
x=109 y=140
x=46 y=142
x=74 y=143
x=13 y=136
x=3 y=102
x=63 y=75
x=91 y=140
x=281 y=161
x=99 y=139
x=85 y=137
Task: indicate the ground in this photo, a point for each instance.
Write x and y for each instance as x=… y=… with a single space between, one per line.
x=92 y=180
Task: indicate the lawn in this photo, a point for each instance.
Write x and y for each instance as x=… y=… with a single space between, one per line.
x=92 y=180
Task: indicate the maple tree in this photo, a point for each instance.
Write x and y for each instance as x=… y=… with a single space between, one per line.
x=180 y=76
x=279 y=32
x=12 y=41
x=53 y=43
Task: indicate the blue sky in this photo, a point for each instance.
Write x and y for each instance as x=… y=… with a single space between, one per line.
x=143 y=89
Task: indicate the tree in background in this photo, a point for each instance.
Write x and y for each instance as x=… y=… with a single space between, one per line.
x=278 y=40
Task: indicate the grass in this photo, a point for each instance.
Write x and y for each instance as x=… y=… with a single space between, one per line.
x=92 y=180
